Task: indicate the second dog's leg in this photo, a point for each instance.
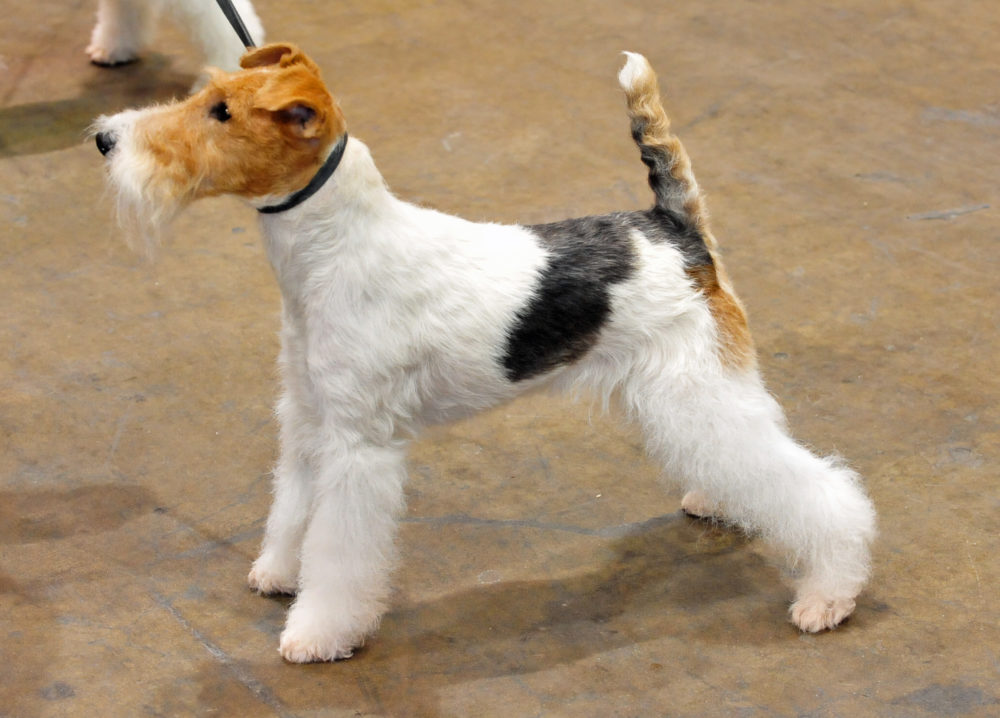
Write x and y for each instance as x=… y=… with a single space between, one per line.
x=347 y=551
x=726 y=439
x=208 y=26
x=121 y=32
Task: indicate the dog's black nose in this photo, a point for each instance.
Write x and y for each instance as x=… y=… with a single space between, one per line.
x=105 y=142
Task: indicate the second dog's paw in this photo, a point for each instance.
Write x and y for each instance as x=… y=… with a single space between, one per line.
x=296 y=648
x=813 y=613
x=106 y=55
x=269 y=583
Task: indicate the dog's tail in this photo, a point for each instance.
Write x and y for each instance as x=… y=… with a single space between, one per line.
x=670 y=174
x=677 y=194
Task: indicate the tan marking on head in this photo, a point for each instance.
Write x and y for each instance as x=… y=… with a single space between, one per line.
x=279 y=123
x=736 y=348
x=282 y=54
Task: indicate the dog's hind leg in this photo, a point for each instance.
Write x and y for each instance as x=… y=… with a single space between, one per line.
x=122 y=31
x=724 y=436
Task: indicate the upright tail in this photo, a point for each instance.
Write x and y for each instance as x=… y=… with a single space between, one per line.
x=670 y=174
x=677 y=193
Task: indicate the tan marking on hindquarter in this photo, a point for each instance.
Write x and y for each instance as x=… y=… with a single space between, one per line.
x=282 y=123
x=682 y=196
x=737 y=347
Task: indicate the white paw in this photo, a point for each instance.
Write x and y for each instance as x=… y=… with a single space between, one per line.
x=300 y=647
x=317 y=631
x=109 y=55
x=271 y=582
x=696 y=504
x=813 y=613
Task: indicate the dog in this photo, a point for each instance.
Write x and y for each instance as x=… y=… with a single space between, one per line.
x=124 y=28
x=396 y=316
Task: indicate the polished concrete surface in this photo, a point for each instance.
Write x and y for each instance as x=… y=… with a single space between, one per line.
x=850 y=158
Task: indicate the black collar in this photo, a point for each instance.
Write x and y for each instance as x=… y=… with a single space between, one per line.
x=318 y=180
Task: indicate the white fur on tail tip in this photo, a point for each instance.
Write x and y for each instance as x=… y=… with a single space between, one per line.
x=636 y=68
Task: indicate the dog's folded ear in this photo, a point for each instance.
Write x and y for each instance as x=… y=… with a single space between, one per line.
x=295 y=94
x=299 y=102
x=282 y=54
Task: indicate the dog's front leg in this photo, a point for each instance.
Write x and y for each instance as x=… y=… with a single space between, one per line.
x=347 y=551
x=276 y=570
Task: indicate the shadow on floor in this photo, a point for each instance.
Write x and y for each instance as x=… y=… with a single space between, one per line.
x=39 y=127
x=672 y=577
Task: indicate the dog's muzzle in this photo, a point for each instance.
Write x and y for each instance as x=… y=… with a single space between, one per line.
x=105 y=142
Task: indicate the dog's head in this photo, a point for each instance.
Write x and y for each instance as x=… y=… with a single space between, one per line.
x=260 y=133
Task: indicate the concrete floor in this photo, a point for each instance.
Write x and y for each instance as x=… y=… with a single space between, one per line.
x=850 y=156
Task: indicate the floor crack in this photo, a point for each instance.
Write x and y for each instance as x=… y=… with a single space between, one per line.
x=260 y=691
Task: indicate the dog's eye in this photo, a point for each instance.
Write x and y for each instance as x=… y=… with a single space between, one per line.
x=219 y=111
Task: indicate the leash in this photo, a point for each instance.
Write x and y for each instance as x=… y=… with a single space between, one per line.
x=229 y=10
x=318 y=180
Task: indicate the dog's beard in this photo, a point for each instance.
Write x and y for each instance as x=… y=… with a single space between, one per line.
x=146 y=199
x=145 y=203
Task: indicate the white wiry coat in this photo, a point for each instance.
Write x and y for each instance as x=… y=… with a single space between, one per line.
x=395 y=316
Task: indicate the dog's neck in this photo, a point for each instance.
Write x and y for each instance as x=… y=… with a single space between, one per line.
x=337 y=218
x=355 y=186
x=322 y=176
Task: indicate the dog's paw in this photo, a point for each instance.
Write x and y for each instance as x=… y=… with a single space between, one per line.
x=316 y=631
x=110 y=46
x=108 y=55
x=697 y=505
x=299 y=647
x=813 y=613
x=271 y=583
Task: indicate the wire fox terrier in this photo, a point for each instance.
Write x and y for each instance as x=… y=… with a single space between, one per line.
x=395 y=316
